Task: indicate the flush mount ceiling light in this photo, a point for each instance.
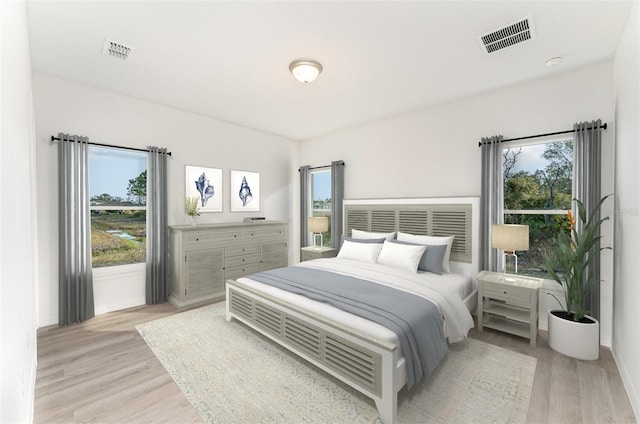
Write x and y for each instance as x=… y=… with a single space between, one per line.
x=305 y=70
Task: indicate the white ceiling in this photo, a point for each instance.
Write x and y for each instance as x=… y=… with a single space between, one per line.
x=229 y=59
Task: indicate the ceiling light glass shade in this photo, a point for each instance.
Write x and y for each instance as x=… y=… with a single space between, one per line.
x=305 y=70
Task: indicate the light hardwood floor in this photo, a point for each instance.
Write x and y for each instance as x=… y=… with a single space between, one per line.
x=102 y=371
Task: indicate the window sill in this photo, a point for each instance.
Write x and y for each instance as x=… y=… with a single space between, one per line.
x=119 y=270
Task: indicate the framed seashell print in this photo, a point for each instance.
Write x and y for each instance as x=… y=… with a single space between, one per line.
x=206 y=185
x=245 y=191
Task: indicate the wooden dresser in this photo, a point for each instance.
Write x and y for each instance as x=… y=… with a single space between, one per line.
x=203 y=257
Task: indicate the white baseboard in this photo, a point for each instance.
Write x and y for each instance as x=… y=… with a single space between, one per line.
x=632 y=393
x=31 y=390
x=47 y=321
x=129 y=303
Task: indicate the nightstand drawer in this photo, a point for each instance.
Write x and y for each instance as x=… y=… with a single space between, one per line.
x=309 y=253
x=307 y=256
x=507 y=293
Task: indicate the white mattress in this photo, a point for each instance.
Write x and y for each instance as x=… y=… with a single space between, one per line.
x=460 y=284
x=447 y=291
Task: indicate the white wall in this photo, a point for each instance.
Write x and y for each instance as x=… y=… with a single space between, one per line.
x=626 y=320
x=18 y=238
x=434 y=152
x=111 y=118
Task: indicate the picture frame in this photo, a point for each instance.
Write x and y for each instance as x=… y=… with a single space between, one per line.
x=205 y=184
x=245 y=191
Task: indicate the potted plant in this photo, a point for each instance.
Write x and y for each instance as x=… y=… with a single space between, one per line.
x=191 y=208
x=571 y=330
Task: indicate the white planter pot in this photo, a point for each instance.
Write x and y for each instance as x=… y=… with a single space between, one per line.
x=575 y=339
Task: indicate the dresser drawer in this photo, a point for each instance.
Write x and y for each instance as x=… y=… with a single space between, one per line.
x=242 y=270
x=197 y=240
x=508 y=293
x=241 y=250
x=265 y=234
x=250 y=258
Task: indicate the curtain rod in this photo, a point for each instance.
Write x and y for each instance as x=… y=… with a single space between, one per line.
x=320 y=167
x=53 y=138
x=603 y=126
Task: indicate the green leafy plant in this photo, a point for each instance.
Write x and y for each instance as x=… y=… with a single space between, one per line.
x=570 y=264
x=191 y=206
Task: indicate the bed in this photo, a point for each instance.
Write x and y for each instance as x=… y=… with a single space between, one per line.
x=365 y=355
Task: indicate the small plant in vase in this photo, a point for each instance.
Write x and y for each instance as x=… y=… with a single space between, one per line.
x=191 y=208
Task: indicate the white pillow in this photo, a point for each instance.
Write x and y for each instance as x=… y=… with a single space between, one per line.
x=432 y=240
x=359 y=234
x=364 y=252
x=403 y=256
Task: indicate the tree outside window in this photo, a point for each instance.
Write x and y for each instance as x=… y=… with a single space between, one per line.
x=537 y=193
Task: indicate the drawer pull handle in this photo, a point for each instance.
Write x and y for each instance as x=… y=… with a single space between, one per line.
x=197 y=239
x=505 y=292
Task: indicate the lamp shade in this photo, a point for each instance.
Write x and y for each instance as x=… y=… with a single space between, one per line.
x=318 y=224
x=510 y=237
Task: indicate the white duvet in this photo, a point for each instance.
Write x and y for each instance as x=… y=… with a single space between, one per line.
x=457 y=319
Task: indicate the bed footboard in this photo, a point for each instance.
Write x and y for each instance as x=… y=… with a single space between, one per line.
x=371 y=366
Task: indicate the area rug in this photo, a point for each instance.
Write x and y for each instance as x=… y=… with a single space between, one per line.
x=231 y=374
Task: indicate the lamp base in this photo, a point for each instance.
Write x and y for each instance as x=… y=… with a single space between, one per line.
x=510 y=262
x=315 y=241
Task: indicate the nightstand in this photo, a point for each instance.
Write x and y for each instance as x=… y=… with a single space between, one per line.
x=509 y=303
x=310 y=252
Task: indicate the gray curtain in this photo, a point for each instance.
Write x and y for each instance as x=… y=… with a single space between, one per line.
x=75 y=281
x=305 y=174
x=157 y=279
x=587 y=137
x=491 y=200
x=337 y=198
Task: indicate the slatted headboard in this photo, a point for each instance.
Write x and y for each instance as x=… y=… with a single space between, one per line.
x=444 y=216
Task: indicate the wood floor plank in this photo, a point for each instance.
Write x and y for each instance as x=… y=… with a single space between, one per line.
x=564 y=391
x=597 y=404
x=102 y=371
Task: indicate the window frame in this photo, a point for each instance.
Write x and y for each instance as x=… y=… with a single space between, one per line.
x=326 y=235
x=130 y=265
x=540 y=212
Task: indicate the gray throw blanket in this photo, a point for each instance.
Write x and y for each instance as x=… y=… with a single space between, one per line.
x=415 y=320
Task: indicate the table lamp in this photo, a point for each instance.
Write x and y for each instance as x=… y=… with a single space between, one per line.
x=318 y=225
x=510 y=237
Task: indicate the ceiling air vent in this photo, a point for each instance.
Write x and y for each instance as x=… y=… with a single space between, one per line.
x=508 y=35
x=115 y=49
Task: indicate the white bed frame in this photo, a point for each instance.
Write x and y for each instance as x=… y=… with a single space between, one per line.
x=372 y=366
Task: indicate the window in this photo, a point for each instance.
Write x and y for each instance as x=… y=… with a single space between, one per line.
x=321 y=198
x=538 y=193
x=118 y=192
